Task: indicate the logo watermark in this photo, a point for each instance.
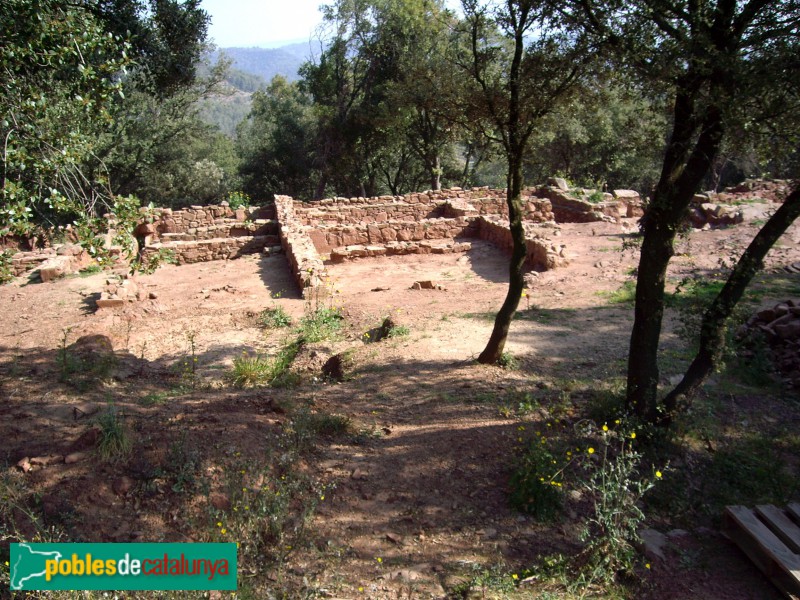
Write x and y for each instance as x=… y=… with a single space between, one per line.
x=123 y=566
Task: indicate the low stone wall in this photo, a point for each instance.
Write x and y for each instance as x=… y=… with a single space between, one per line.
x=327 y=237
x=417 y=207
x=570 y=209
x=301 y=254
x=399 y=248
x=184 y=252
x=50 y=263
x=198 y=220
x=205 y=233
x=542 y=254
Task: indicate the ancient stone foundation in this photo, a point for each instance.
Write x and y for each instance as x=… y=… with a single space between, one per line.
x=340 y=229
x=50 y=263
x=203 y=233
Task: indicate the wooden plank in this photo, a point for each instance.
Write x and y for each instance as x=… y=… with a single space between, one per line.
x=794 y=510
x=781 y=525
x=762 y=546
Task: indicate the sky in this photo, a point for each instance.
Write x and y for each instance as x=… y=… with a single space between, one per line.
x=263 y=23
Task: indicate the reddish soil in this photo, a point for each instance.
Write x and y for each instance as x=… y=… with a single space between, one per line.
x=417 y=495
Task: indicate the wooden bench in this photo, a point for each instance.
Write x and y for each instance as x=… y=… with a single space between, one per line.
x=770 y=537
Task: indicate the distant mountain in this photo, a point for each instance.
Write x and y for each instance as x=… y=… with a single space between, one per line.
x=268 y=62
x=251 y=69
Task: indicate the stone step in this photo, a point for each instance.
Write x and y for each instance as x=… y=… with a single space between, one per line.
x=443 y=246
x=215 y=248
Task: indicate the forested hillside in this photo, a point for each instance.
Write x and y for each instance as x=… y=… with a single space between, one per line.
x=265 y=63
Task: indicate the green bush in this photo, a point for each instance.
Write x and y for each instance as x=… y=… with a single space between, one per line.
x=536 y=484
x=114 y=442
x=6 y=274
x=251 y=370
x=238 y=200
x=616 y=485
x=274 y=317
x=321 y=324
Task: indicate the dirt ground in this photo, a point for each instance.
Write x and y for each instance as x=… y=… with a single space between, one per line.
x=417 y=499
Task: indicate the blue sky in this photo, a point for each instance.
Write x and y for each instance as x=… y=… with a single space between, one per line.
x=264 y=23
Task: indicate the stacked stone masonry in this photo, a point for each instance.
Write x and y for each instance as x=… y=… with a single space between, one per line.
x=203 y=233
x=338 y=229
x=50 y=263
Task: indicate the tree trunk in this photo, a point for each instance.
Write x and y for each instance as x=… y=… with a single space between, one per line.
x=712 y=330
x=497 y=341
x=657 y=250
x=686 y=163
x=436 y=174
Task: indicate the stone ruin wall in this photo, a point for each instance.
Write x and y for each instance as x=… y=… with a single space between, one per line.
x=213 y=232
x=434 y=222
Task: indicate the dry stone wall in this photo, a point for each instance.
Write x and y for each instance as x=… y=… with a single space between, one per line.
x=418 y=206
x=50 y=263
x=301 y=254
x=541 y=253
x=338 y=229
x=204 y=233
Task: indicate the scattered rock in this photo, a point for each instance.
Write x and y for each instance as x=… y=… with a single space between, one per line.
x=122 y=485
x=427 y=285
x=334 y=367
x=76 y=457
x=46 y=461
x=395 y=539
x=359 y=474
x=220 y=501
x=559 y=182
x=653 y=544
x=780 y=326
x=88 y=439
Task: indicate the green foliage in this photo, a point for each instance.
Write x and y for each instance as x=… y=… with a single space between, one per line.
x=261 y=370
x=536 y=483
x=268 y=522
x=398 y=331
x=115 y=442
x=595 y=197
x=238 y=200
x=164 y=256
x=276 y=142
x=626 y=294
x=274 y=317
x=60 y=73
x=159 y=149
x=484 y=580
x=306 y=426
x=251 y=370
x=616 y=486
x=321 y=324
x=613 y=132
x=508 y=361
x=6 y=273
x=748 y=471
x=91 y=270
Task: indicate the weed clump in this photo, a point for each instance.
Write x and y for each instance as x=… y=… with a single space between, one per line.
x=274 y=317
x=114 y=443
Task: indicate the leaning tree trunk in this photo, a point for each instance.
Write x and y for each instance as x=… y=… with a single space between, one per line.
x=712 y=329
x=502 y=322
x=686 y=163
